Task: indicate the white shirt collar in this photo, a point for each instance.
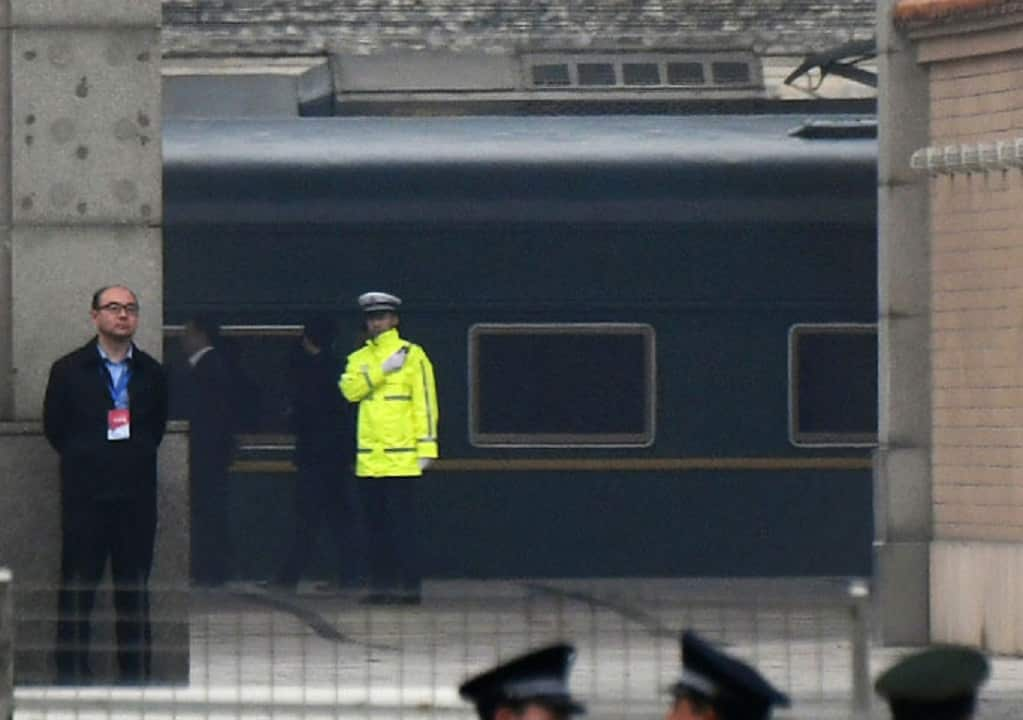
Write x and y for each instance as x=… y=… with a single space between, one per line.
x=195 y=357
x=103 y=353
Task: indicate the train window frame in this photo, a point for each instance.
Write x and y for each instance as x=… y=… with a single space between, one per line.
x=633 y=74
x=248 y=442
x=674 y=69
x=642 y=439
x=723 y=73
x=821 y=440
x=589 y=76
x=538 y=70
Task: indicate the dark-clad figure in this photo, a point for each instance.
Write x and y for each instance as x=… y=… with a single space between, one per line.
x=105 y=413
x=530 y=687
x=716 y=686
x=939 y=683
x=325 y=493
x=210 y=413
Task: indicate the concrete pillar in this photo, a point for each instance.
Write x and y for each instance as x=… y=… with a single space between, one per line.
x=81 y=170
x=6 y=645
x=902 y=475
x=85 y=174
x=6 y=367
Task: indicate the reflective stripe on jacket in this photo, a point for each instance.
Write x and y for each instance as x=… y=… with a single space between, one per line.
x=397 y=411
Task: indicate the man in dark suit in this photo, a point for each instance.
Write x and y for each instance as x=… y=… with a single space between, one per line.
x=325 y=491
x=210 y=413
x=105 y=413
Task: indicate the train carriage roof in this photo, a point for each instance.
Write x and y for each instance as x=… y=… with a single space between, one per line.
x=710 y=168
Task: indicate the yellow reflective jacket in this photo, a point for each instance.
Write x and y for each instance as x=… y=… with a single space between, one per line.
x=397 y=411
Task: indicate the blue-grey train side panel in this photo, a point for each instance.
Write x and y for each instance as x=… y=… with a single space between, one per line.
x=721 y=237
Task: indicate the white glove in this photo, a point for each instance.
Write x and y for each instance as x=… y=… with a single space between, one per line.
x=395 y=362
x=425 y=463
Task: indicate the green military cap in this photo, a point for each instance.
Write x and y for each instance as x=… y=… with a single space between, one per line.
x=939 y=683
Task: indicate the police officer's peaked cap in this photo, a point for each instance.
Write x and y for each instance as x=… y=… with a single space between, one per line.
x=540 y=677
x=377 y=301
x=737 y=690
x=939 y=682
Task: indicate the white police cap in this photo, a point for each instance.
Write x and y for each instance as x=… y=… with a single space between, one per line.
x=377 y=301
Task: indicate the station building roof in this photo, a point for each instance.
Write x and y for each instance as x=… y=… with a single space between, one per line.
x=929 y=11
x=288 y=28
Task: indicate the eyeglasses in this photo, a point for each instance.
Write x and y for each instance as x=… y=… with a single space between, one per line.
x=116 y=308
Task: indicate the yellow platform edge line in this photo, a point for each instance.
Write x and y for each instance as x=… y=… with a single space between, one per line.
x=603 y=464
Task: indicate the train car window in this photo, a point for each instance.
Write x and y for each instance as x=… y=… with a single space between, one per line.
x=551 y=75
x=685 y=73
x=259 y=357
x=730 y=73
x=596 y=74
x=562 y=385
x=641 y=73
x=833 y=385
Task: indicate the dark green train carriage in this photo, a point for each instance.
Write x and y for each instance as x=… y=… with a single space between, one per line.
x=653 y=336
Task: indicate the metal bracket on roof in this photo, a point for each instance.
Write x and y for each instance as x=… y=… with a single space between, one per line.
x=842 y=61
x=836 y=129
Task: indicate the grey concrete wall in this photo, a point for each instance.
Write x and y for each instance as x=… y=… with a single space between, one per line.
x=30 y=546
x=55 y=271
x=6 y=368
x=85 y=174
x=902 y=477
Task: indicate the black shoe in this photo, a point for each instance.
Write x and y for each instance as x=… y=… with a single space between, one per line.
x=208 y=584
x=323 y=589
x=393 y=598
x=278 y=585
x=380 y=598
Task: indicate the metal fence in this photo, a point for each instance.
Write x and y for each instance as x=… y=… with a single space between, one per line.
x=253 y=652
x=6 y=645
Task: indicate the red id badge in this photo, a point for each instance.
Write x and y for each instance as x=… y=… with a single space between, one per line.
x=119 y=424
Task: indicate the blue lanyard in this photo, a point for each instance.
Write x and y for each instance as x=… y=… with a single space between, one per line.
x=119 y=390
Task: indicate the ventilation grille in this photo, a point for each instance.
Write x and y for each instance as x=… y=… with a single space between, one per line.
x=711 y=71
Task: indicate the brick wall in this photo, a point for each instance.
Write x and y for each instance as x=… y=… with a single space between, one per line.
x=977 y=300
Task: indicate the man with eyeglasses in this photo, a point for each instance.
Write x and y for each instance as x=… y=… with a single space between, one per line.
x=105 y=413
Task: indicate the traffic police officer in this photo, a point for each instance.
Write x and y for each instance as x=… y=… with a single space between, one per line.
x=715 y=686
x=392 y=381
x=939 y=683
x=530 y=687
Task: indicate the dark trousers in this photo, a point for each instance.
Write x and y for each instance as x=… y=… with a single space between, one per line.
x=390 y=505
x=213 y=560
x=325 y=496
x=124 y=531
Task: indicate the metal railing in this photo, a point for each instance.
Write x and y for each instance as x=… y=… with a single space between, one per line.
x=255 y=651
x=6 y=644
